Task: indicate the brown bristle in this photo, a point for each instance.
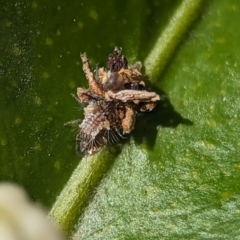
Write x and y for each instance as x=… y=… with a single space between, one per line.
x=100 y=126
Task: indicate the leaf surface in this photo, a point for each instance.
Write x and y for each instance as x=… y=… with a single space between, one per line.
x=177 y=177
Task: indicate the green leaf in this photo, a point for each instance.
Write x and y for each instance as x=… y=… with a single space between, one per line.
x=177 y=177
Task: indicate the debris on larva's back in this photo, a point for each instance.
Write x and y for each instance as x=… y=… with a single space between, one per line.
x=111 y=102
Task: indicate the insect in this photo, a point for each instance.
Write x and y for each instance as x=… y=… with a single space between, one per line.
x=111 y=103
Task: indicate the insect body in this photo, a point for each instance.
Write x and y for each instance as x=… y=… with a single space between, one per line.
x=111 y=102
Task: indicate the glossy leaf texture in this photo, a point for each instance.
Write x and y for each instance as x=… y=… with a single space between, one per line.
x=177 y=177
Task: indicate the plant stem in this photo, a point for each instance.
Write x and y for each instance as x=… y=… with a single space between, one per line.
x=171 y=36
x=77 y=192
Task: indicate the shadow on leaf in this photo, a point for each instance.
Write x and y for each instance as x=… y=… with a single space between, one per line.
x=163 y=115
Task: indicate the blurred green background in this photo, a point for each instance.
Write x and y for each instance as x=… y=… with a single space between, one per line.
x=178 y=175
